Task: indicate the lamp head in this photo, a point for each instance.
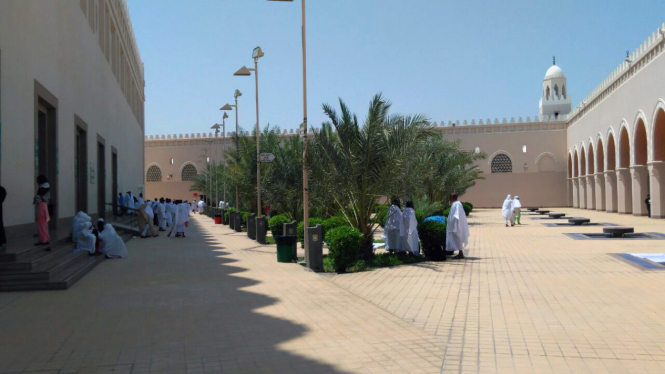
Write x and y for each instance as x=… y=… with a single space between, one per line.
x=257 y=53
x=216 y=126
x=225 y=116
x=226 y=107
x=243 y=71
x=237 y=94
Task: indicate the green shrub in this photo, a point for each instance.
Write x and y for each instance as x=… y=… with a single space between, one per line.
x=226 y=215
x=244 y=217
x=276 y=224
x=343 y=246
x=446 y=213
x=333 y=223
x=467 y=208
x=433 y=239
x=312 y=222
x=420 y=216
x=381 y=214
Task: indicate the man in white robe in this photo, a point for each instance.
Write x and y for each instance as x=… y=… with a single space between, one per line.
x=129 y=200
x=168 y=210
x=77 y=218
x=182 y=217
x=507 y=211
x=410 y=238
x=202 y=206
x=161 y=214
x=86 y=240
x=517 y=210
x=393 y=230
x=112 y=245
x=457 y=229
x=81 y=225
x=140 y=200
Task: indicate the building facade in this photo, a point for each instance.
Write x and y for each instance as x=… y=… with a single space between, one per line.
x=71 y=107
x=607 y=154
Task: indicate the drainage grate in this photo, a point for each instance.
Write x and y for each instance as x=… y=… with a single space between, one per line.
x=644 y=261
x=602 y=224
x=601 y=236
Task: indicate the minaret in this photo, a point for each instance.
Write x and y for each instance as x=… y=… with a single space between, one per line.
x=555 y=101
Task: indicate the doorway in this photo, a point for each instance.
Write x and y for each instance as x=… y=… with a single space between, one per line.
x=81 y=170
x=114 y=182
x=101 y=180
x=46 y=154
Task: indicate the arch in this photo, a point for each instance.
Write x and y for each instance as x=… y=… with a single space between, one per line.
x=658 y=132
x=640 y=140
x=624 y=146
x=563 y=91
x=582 y=160
x=576 y=163
x=600 y=155
x=548 y=154
x=591 y=159
x=501 y=163
x=611 y=152
x=188 y=172
x=555 y=93
x=570 y=165
x=153 y=173
x=547 y=93
x=546 y=162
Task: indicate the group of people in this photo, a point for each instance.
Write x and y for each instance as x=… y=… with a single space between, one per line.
x=157 y=215
x=401 y=229
x=512 y=211
x=128 y=203
x=102 y=239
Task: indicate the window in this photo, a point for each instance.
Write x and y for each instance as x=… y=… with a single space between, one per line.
x=171 y=161
x=154 y=174
x=523 y=149
x=501 y=163
x=189 y=172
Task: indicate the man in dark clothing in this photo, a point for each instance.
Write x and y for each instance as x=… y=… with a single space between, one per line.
x=647 y=201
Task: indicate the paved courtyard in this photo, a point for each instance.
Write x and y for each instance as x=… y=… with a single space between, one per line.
x=529 y=299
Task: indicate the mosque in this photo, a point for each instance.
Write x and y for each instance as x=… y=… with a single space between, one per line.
x=605 y=154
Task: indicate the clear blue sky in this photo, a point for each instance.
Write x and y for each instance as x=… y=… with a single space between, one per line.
x=447 y=59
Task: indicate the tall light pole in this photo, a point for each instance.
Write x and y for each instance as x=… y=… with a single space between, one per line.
x=236 y=95
x=216 y=128
x=305 y=177
x=244 y=71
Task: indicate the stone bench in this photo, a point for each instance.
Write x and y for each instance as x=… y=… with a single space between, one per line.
x=618 y=231
x=557 y=215
x=542 y=212
x=579 y=221
x=532 y=209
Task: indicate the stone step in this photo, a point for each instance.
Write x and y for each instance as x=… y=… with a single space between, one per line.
x=18 y=254
x=62 y=279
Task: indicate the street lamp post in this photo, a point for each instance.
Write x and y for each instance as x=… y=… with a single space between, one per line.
x=236 y=95
x=305 y=178
x=244 y=71
x=216 y=128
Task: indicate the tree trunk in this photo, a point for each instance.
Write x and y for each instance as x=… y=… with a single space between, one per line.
x=367 y=247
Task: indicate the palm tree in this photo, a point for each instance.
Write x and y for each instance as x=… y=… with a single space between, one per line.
x=282 y=184
x=358 y=163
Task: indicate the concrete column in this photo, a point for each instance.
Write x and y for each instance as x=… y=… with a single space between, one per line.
x=624 y=194
x=611 y=203
x=590 y=192
x=600 y=191
x=640 y=180
x=657 y=187
x=582 y=189
x=576 y=194
x=570 y=192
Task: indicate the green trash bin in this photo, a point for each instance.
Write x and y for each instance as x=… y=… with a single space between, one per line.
x=285 y=247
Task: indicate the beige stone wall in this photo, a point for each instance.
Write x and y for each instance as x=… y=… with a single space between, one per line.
x=58 y=46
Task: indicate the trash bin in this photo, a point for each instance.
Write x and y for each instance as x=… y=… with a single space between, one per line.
x=218 y=218
x=284 y=247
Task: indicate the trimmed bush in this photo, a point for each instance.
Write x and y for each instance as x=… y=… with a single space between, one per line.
x=468 y=207
x=433 y=239
x=226 y=215
x=244 y=217
x=381 y=214
x=420 y=216
x=446 y=213
x=312 y=222
x=333 y=223
x=343 y=247
x=276 y=224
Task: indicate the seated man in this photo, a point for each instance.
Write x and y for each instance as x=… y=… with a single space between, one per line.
x=112 y=245
x=86 y=240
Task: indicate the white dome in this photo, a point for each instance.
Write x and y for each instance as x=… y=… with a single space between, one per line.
x=554 y=72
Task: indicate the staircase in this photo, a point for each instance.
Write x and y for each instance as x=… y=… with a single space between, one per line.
x=35 y=268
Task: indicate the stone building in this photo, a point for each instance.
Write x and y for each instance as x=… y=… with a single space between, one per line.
x=605 y=154
x=71 y=107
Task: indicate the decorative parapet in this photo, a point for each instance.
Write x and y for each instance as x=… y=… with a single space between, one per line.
x=634 y=62
x=503 y=121
x=211 y=136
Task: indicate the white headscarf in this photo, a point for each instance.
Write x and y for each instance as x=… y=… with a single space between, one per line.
x=507 y=209
x=516 y=202
x=86 y=240
x=77 y=218
x=81 y=224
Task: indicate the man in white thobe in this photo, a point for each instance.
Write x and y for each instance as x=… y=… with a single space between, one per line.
x=161 y=214
x=86 y=240
x=182 y=217
x=112 y=245
x=393 y=230
x=81 y=224
x=507 y=211
x=410 y=238
x=457 y=229
x=517 y=210
x=202 y=206
x=140 y=200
